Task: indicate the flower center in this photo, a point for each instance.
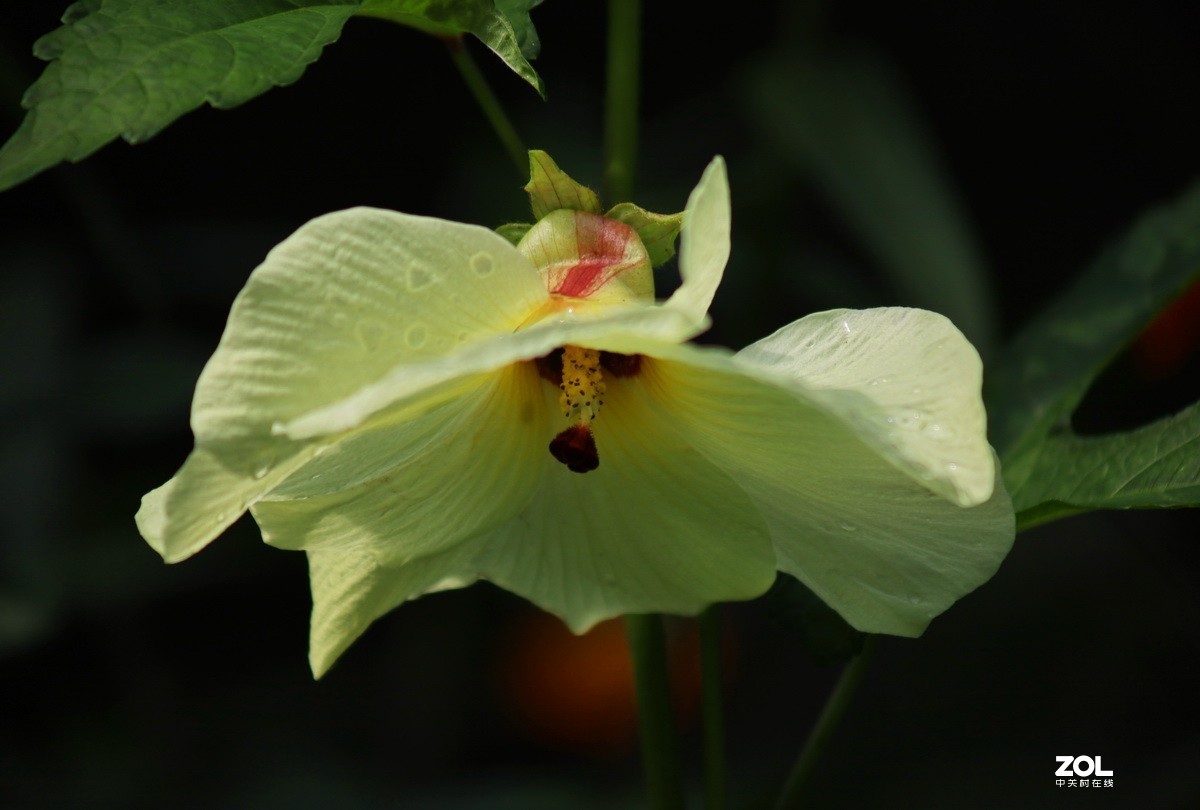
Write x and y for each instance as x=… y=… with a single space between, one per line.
x=582 y=384
x=579 y=375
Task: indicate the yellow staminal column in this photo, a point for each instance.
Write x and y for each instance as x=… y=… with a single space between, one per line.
x=582 y=395
x=582 y=384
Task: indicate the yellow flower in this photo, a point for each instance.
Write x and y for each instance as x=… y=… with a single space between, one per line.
x=418 y=404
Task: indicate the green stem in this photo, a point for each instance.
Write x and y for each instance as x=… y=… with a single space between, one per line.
x=831 y=716
x=656 y=723
x=714 y=716
x=621 y=102
x=488 y=103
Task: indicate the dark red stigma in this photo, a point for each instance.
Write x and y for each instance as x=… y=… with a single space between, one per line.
x=576 y=448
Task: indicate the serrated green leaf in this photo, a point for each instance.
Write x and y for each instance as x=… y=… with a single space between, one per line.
x=657 y=231
x=825 y=635
x=1155 y=466
x=1036 y=385
x=550 y=188
x=514 y=231
x=487 y=20
x=127 y=68
x=848 y=120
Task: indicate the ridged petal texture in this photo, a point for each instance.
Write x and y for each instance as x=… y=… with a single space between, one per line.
x=375 y=402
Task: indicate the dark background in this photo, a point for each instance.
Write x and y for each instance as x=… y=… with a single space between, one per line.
x=126 y=683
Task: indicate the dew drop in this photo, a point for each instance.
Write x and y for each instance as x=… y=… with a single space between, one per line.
x=951 y=466
x=415 y=336
x=845 y=326
x=261 y=472
x=482 y=264
x=847 y=527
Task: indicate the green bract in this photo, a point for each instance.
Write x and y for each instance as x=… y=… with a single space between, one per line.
x=385 y=392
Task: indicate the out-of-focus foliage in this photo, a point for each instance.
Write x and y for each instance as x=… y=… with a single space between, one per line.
x=1034 y=388
x=850 y=123
x=128 y=68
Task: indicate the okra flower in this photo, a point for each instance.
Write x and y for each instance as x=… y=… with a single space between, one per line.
x=418 y=404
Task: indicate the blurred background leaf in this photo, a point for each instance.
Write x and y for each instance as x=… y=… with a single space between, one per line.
x=1046 y=370
x=844 y=118
x=1154 y=467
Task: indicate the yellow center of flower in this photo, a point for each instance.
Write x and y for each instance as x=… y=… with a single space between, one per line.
x=582 y=384
x=579 y=375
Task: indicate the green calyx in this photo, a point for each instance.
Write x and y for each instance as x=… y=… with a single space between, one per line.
x=551 y=189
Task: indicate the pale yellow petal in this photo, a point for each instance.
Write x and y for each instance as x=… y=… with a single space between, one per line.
x=704 y=244
x=354 y=586
x=617 y=329
x=346 y=299
x=202 y=500
x=866 y=536
x=905 y=380
x=415 y=487
x=655 y=528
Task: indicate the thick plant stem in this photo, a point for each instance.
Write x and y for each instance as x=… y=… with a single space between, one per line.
x=656 y=722
x=488 y=103
x=621 y=102
x=831 y=716
x=713 y=713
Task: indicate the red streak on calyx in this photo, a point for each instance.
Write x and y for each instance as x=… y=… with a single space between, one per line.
x=601 y=245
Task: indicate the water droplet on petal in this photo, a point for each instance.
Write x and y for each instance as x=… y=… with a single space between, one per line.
x=482 y=264
x=415 y=336
x=261 y=472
